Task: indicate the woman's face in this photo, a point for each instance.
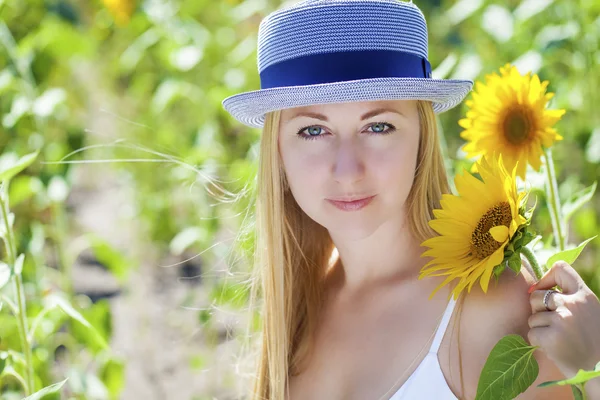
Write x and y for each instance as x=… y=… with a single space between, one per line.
x=348 y=151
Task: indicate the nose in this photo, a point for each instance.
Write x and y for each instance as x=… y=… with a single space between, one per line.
x=348 y=166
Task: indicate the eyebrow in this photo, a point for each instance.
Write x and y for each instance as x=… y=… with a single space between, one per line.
x=365 y=116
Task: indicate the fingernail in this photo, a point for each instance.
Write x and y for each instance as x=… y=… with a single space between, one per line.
x=531 y=288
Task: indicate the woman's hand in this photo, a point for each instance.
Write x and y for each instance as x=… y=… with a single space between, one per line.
x=568 y=333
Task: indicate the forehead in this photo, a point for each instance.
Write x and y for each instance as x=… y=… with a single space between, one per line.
x=354 y=109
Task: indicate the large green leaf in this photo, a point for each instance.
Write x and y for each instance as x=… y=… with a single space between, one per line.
x=568 y=256
x=509 y=370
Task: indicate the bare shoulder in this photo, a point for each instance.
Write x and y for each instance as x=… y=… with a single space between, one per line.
x=503 y=310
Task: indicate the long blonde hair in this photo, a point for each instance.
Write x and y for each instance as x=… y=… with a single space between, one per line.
x=292 y=253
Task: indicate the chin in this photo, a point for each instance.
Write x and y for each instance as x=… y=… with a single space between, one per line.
x=356 y=233
x=351 y=226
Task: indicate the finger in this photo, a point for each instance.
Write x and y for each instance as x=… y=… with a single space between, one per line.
x=563 y=275
x=543 y=336
x=536 y=300
x=542 y=319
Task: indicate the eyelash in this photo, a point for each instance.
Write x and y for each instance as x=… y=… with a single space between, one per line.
x=391 y=129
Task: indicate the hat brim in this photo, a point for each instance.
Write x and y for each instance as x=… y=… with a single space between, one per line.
x=249 y=108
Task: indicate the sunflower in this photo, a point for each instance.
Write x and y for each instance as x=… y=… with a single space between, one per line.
x=475 y=227
x=508 y=114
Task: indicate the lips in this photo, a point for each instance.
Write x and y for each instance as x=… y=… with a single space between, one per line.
x=349 y=199
x=352 y=205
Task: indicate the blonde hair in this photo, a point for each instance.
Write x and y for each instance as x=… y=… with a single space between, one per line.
x=292 y=253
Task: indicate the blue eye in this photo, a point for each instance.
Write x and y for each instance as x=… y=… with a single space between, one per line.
x=314 y=132
x=380 y=127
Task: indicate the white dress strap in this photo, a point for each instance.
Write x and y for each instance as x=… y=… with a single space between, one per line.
x=439 y=334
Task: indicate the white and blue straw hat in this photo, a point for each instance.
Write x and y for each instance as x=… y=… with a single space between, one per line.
x=330 y=51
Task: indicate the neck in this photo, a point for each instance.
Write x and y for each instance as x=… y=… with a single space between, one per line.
x=390 y=255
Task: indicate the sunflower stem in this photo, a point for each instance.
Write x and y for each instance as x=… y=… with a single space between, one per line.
x=539 y=271
x=553 y=200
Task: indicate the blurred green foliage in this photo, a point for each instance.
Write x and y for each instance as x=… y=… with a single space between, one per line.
x=145 y=80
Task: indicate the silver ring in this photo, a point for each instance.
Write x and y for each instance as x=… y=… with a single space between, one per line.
x=547 y=295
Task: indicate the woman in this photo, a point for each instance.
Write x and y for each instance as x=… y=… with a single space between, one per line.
x=350 y=170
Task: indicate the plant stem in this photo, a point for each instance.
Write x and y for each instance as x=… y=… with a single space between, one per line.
x=553 y=200
x=11 y=252
x=22 y=323
x=539 y=271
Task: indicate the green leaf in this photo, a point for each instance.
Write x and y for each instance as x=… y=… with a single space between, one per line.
x=514 y=262
x=527 y=238
x=568 y=256
x=47 y=390
x=577 y=201
x=577 y=394
x=509 y=370
x=499 y=269
x=3 y=358
x=112 y=374
x=23 y=188
x=9 y=370
x=114 y=260
x=99 y=315
x=67 y=308
x=11 y=170
x=582 y=376
x=49 y=306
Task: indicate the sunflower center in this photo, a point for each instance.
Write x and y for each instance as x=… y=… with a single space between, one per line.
x=482 y=242
x=517 y=126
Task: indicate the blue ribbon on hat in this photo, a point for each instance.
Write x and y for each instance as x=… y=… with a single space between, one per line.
x=344 y=66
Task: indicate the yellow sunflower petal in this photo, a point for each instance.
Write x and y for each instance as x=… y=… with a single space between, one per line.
x=499 y=233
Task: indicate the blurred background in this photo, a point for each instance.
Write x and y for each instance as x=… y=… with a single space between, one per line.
x=118 y=216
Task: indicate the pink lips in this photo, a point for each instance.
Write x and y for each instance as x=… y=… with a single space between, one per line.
x=351 y=205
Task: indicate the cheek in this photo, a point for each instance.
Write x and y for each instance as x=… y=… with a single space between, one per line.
x=394 y=169
x=303 y=169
